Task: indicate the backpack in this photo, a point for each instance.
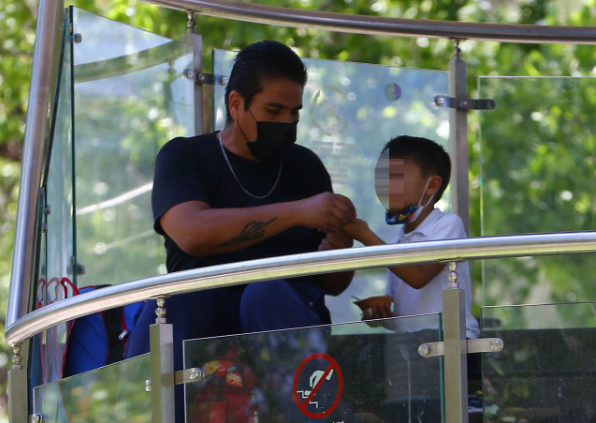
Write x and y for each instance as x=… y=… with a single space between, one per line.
x=99 y=339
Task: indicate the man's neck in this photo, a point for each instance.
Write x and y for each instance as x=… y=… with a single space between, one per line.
x=409 y=227
x=233 y=139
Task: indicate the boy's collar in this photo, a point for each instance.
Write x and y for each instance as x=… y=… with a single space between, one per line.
x=426 y=224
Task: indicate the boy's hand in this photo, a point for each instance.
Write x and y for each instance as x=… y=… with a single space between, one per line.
x=357 y=229
x=335 y=241
x=381 y=311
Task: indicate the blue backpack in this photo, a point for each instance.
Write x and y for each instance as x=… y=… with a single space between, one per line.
x=99 y=339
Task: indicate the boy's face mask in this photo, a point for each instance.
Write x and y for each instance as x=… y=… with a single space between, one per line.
x=411 y=213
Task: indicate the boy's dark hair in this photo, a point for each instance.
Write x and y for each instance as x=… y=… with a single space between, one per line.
x=429 y=156
x=261 y=61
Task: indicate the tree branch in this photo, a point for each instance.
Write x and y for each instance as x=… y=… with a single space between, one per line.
x=11 y=151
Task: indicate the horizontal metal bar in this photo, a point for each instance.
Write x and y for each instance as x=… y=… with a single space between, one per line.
x=482 y=345
x=298 y=265
x=194 y=374
x=376 y=25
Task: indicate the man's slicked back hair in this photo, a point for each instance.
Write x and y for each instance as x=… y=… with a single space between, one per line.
x=429 y=156
x=260 y=61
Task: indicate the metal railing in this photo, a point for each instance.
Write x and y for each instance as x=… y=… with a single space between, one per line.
x=377 y=25
x=49 y=29
x=374 y=25
x=297 y=265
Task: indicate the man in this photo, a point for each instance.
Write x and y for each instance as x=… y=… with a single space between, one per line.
x=244 y=193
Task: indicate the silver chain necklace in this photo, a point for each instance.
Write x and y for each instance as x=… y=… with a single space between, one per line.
x=223 y=150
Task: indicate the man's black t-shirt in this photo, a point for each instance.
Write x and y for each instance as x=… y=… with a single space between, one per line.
x=194 y=169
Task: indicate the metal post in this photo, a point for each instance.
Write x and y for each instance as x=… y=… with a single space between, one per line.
x=49 y=27
x=196 y=42
x=18 y=405
x=162 y=367
x=456 y=350
x=458 y=124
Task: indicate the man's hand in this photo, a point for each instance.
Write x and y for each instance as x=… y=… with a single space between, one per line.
x=335 y=241
x=326 y=211
x=336 y=283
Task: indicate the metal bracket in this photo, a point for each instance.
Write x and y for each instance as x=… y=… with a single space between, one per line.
x=205 y=78
x=36 y=418
x=482 y=345
x=188 y=375
x=465 y=103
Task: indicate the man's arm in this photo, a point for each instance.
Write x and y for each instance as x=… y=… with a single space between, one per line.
x=415 y=275
x=201 y=231
x=336 y=283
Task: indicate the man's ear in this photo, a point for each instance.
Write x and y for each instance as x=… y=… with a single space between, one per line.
x=235 y=104
x=434 y=185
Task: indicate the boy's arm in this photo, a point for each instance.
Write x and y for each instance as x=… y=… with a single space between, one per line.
x=415 y=275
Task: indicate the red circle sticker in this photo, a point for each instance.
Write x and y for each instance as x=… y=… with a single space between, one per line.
x=322 y=377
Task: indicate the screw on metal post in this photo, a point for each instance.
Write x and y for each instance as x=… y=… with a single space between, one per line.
x=80 y=269
x=16 y=358
x=47 y=210
x=78 y=38
x=160 y=311
x=224 y=80
x=456 y=49
x=496 y=345
x=453 y=283
x=188 y=74
x=195 y=374
x=36 y=418
x=424 y=350
x=191 y=22
x=44 y=228
x=148 y=385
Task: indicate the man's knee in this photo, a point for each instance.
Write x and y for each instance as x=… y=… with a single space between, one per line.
x=265 y=295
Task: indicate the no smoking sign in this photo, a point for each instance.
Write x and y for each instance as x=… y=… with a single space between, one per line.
x=318 y=384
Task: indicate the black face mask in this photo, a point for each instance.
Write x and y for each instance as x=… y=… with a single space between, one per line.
x=274 y=139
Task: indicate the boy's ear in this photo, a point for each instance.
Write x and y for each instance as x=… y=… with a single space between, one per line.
x=434 y=185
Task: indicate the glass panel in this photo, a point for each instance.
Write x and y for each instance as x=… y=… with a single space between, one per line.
x=350 y=112
x=537 y=173
x=130 y=98
x=111 y=394
x=57 y=271
x=547 y=371
x=303 y=375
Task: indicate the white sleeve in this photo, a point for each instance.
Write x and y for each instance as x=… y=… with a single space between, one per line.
x=389 y=287
x=449 y=226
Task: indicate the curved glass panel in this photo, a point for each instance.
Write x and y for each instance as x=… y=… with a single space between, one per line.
x=130 y=98
x=546 y=371
x=347 y=374
x=351 y=110
x=112 y=394
x=56 y=274
x=537 y=173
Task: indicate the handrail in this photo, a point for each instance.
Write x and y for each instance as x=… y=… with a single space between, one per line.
x=297 y=265
x=48 y=34
x=376 y=25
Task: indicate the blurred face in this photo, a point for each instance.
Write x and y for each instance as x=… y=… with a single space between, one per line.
x=399 y=183
x=280 y=101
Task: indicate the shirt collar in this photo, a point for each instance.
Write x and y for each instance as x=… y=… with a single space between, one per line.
x=425 y=228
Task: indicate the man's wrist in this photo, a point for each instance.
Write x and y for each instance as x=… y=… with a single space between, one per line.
x=290 y=213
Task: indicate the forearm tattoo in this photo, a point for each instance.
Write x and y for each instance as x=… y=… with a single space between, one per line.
x=252 y=230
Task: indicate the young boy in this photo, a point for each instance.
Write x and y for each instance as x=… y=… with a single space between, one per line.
x=410 y=178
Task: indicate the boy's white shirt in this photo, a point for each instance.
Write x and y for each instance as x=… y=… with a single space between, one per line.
x=409 y=301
